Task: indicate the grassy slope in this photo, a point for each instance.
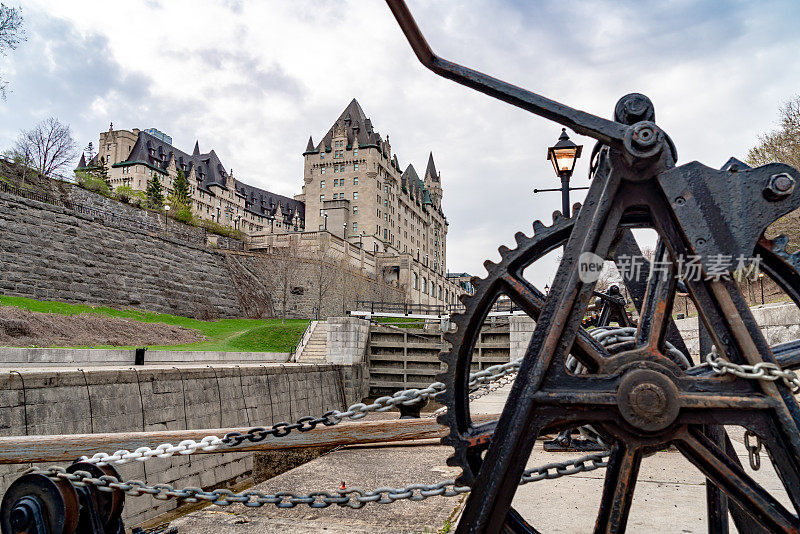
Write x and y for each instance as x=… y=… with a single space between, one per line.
x=242 y=335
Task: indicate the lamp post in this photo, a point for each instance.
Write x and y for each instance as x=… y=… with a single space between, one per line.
x=563 y=156
x=325 y=218
x=546 y=289
x=761 y=281
x=344 y=231
x=166 y=212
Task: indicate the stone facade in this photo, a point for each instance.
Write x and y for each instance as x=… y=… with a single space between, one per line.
x=133 y=157
x=354 y=187
x=70 y=401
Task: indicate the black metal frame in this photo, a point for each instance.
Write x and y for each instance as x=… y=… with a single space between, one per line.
x=697 y=211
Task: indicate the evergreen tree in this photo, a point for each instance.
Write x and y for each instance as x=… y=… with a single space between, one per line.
x=97 y=170
x=180 y=189
x=155 y=193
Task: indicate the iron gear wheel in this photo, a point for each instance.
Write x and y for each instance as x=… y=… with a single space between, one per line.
x=469 y=441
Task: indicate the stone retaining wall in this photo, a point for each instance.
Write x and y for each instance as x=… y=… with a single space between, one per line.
x=51 y=253
x=129 y=400
x=28 y=356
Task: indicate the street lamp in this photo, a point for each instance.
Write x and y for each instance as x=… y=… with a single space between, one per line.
x=344 y=231
x=325 y=217
x=761 y=281
x=563 y=156
x=166 y=212
x=546 y=289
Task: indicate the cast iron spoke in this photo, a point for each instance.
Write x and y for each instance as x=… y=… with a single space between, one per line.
x=727 y=475
x=588 y=351
x=620 y=482
x=657 y=305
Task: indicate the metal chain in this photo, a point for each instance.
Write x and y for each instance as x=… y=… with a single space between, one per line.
x=770 y=372
x=304 y=424
x=753 y=451
x=478 y=379
x=349 y=497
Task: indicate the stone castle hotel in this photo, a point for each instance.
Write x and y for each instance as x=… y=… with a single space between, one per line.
x=355 y=200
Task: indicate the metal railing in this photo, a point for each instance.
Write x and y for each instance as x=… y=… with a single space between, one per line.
x=426 y=309
x=306 y=335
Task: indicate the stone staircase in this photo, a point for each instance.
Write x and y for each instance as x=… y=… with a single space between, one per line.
x=316 y=348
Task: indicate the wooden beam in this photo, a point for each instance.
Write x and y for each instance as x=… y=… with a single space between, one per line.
x=68 y=447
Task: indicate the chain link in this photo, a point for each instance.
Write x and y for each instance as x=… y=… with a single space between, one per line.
x=770 y=372
x=753 y=451
x=349 y=497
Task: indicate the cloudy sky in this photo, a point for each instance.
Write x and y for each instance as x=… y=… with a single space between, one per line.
x=254 y=79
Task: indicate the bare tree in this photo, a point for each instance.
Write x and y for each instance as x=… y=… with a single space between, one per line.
x=11 y=34
x=284 y=268
x=324 y=274
x=50 y=146
x=783 y=144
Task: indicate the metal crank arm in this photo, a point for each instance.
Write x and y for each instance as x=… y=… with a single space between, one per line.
x=607 y=132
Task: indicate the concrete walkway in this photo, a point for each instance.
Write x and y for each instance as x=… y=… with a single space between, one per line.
x=669 y=497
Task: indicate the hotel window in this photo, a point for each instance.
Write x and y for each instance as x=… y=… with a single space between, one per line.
x=355 y=151
x=321 y=213
x=355 y=227
x=336 y=182
x=385 y=233
x=355 y=195
x=355 y=210
x=416 y=281
x=322 y=154
x=355 y=166
x=355 y=180
x=424 y=285
x=322 y=184
x=322 y=170
x=322 y=198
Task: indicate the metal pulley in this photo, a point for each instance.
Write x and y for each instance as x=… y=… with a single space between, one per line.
x=37 y=504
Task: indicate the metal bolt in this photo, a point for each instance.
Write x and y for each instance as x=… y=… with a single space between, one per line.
x=680 y=201
x=700 y=242
x=780 y=186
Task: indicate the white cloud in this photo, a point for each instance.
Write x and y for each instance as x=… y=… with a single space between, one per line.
x=253 y=79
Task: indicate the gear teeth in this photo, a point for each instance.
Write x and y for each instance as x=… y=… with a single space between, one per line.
x=557 y=216
x=457 y=357
x=576 y=209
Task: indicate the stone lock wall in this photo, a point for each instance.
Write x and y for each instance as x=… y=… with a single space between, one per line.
x=130 y=400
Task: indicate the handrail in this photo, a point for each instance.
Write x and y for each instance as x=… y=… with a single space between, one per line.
x=606 y=131
x=303 y=339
